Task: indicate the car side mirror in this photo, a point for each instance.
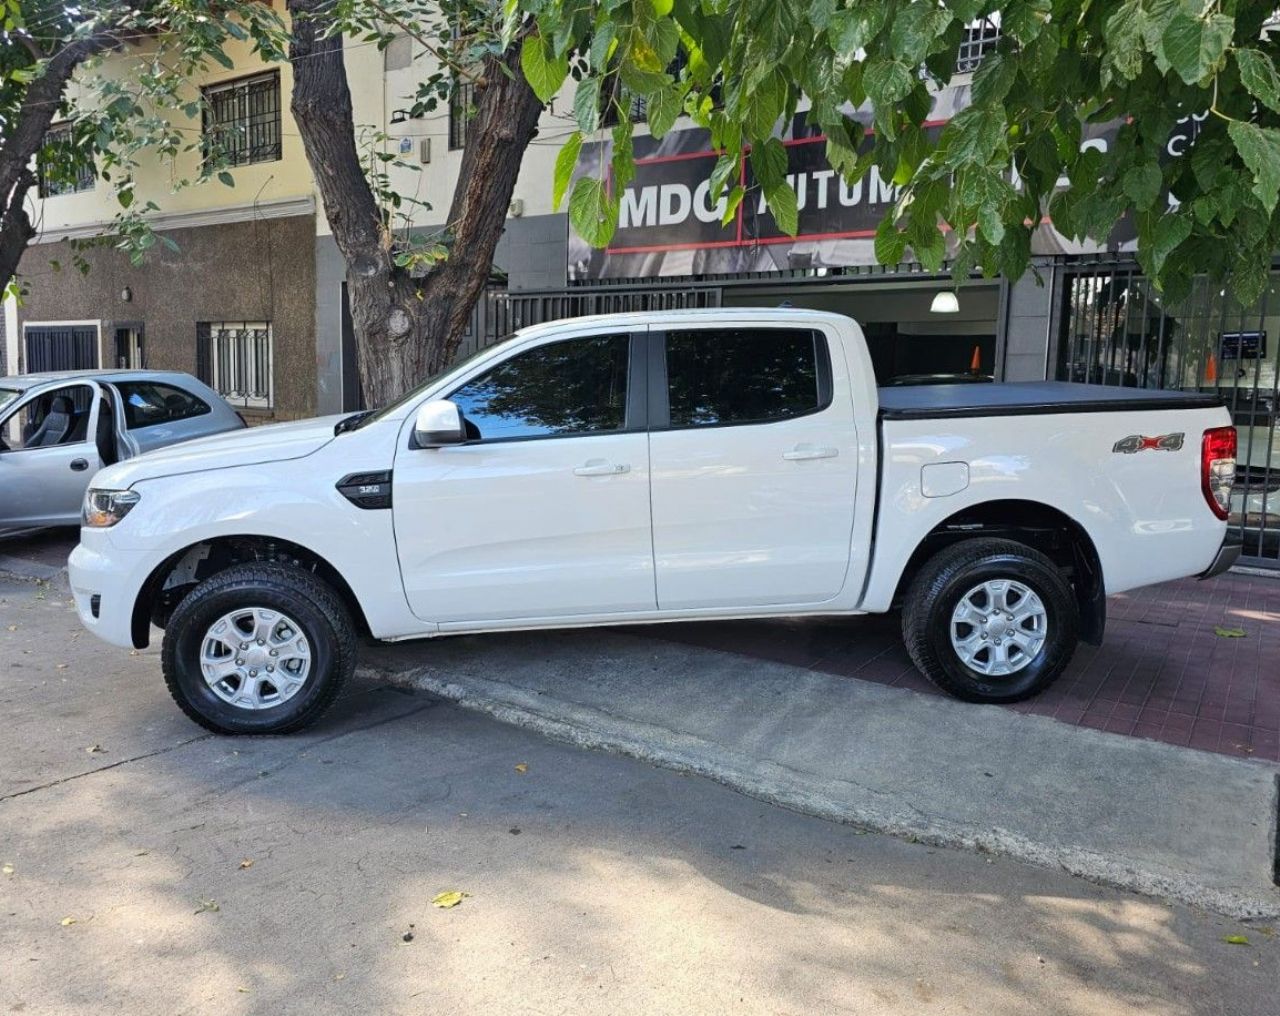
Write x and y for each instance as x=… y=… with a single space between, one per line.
x=439 y=423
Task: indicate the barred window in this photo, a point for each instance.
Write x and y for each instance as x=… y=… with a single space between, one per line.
x=234 y=358
x=462 y=112
x=980 y=38
x=242 y=120
x=63 y=168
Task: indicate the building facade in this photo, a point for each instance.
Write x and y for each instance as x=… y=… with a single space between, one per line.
x=253 y=300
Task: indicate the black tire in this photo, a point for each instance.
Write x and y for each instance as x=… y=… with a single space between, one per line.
x=951 y=574
x=308 y=601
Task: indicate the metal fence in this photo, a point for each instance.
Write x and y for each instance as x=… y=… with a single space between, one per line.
x=1117 y=329
x=235 y=360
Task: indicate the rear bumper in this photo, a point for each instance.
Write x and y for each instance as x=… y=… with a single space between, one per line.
x=1228 y=554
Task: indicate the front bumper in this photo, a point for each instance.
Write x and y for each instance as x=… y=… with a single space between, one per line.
x=98 y=569
x=1228 y=554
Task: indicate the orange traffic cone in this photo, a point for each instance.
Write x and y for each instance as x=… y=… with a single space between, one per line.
x=975 y=364
x=1211 y=370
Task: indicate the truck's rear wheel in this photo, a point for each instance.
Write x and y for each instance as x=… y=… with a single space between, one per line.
x=990 y=621
x=258 y=649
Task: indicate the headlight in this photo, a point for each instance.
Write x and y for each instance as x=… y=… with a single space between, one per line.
x=104 y=508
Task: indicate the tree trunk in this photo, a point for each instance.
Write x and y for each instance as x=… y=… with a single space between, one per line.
x=406 y=329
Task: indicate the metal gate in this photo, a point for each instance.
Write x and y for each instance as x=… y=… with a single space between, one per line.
x=1117 y=329
x=61 y=347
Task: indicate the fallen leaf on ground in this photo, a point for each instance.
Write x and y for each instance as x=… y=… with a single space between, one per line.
x=62 y=666
x=67 y=922
x=247 y=863
x=449 y=899
x=207 y=906
x=1229 y=633
x=7 y=869
x=522 y=767
x=1236 y=940
x=13 y=627
x=95 y=749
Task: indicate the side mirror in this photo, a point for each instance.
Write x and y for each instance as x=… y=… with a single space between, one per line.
x=439 y=423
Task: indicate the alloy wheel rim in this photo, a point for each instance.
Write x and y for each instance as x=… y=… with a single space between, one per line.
x=255 y=658
x=998 y=627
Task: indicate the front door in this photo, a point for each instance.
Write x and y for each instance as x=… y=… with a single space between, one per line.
x=544 y=513
x=47 y=456
x=755 y=467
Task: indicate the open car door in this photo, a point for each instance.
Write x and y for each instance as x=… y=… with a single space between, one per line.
x=48 y=453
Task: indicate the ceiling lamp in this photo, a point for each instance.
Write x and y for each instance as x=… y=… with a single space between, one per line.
x=945 y=303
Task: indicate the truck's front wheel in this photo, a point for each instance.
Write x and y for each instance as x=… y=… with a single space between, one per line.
x=990 y=621
x=258 y=649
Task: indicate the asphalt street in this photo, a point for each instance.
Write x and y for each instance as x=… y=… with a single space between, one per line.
x=146 y=867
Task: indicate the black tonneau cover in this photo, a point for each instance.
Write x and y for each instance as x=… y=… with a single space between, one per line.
x=1025 y=398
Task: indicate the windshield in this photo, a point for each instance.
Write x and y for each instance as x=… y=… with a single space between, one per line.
x=8 y=395
x=414 y=393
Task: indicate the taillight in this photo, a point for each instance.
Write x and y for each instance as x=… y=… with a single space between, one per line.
x=1218 y=468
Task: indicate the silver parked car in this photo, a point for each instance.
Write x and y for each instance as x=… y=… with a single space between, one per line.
x=58 y=429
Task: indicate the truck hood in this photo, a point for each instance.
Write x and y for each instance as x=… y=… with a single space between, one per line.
x=276 y=442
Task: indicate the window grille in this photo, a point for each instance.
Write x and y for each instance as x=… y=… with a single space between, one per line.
x=234 y=358
x=462 y=112
x=980 y=38
x=242 y=120
x=63 y=169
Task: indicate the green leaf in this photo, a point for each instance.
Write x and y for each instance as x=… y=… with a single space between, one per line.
x=226 y=178
x=1259 y=149
x=850 y=31
x=993 y=79
x=1025 y=19
x=887 y=82
x=1197 y=47
x=1124 y=53
x=890 y=243
x=975 y=135
x=592 y=212
x=565 y=163
x=586 y=104
x=769 y=160
x=783 y=205
x=544 y=72
x=663 y=108
x=1236 y=940
x=1230 y=633
x=1258 y=75
x=1170 y=230
x=1142 y=183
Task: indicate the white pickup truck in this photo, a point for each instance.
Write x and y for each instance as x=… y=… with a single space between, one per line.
x=655 y=467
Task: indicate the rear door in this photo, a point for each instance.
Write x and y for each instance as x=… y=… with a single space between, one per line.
x=754 y=467
x=46 y=462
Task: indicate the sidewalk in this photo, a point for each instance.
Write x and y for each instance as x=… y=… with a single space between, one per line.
x=1162 y=673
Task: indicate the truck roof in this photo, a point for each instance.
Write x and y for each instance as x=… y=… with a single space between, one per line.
x=667 y=318
x=1024 y=398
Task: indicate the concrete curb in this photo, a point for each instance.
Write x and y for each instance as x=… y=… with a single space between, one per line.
x=839 y=799
x=31 y=571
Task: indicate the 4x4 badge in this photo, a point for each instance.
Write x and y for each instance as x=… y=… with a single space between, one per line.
x=1138 y=443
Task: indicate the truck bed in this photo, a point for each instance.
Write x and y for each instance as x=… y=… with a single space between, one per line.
x=1025 y=398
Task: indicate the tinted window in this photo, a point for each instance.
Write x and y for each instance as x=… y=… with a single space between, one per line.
x=741 y=376
x=147 y=403
x=574 y=387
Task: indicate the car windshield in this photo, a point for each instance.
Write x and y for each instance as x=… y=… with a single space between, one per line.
x=8 y=395
x=368 y=417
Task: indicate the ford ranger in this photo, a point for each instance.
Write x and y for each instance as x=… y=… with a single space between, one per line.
x=668 y=466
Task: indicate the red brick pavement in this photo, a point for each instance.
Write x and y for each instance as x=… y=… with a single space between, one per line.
x=1163 y=672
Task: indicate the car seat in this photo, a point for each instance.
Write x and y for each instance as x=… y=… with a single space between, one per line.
x=56 y=426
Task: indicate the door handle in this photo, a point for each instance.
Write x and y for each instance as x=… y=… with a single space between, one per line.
x=79 y=465
x=800 y=453
x=599 y=467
